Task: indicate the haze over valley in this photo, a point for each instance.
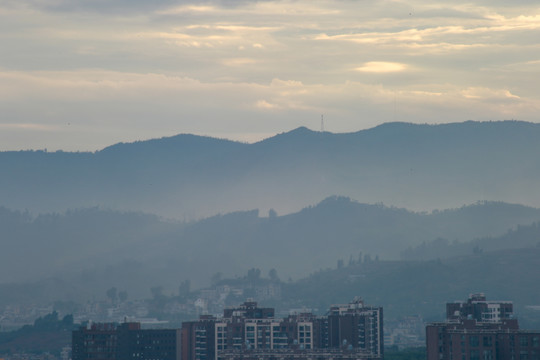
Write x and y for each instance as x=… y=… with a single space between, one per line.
x=188 y=207
x=161 y=160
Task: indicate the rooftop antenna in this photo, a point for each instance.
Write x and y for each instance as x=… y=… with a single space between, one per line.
x=322 y=123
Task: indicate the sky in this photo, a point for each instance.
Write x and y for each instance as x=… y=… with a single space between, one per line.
x=79 y=75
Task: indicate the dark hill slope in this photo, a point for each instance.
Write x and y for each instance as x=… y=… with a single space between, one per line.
x=424 y=287
x=187 y=176
x=522 y=236
x=318 y=236
x=136 y=250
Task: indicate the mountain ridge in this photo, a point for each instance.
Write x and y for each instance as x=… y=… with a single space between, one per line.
x=91 y=240
x=420 y=167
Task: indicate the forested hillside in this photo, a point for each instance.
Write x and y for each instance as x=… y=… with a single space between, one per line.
x=424 y=287
x=418 y=167
x=95 y=249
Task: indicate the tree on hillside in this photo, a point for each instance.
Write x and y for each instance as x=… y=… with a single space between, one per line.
x=184 y=289
x=272 y=274
x=157 y=292
x=254 y=275
x=122 y=296
x=48 y=334
x=216 y=278
x=112 y=294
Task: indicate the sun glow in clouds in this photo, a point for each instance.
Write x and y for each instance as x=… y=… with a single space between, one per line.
x=381 y=67
x=260 y=66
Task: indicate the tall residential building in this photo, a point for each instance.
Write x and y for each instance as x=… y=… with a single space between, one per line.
x=481 y=330
x=349 y=331
x=356 y=325
x=110 y=341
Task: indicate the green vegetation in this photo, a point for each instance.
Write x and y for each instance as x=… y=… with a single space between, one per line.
x=405 y=354
x=424 y=287
x=97 y=247
x=48 y=334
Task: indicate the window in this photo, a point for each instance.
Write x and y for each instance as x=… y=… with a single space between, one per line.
x=473 y=341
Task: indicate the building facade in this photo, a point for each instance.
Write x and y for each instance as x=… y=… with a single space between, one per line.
x=481 y=330
x=110 y=341
x=357 y=326
x=353 y=330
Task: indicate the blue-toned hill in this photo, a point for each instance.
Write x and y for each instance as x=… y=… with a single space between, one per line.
x=418 y=167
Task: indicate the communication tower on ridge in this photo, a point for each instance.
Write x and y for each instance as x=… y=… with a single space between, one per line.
x=322 y=123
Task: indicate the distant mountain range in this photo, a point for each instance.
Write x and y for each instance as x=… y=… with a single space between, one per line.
x=406 y=288
x=98 y=249
x=158 y=212
x=516 y=238
x=419 y=167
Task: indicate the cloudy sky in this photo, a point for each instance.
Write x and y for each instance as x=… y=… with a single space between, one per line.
x=84 y=74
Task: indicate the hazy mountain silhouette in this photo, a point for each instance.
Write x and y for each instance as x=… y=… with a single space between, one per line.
x=523 y=236
x=405 y=288
x=103 y=248
x=189 y=177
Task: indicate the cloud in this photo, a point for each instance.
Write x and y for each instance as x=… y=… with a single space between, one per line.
x=113 y=89
x=235 y=62
x=381 y=67
x=480 y=93
x=187 y=9
x=263 y=104
x=28 y=126
x=98 y=6
x=148 y=67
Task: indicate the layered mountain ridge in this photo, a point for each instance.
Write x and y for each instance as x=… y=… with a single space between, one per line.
x=419 y=167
